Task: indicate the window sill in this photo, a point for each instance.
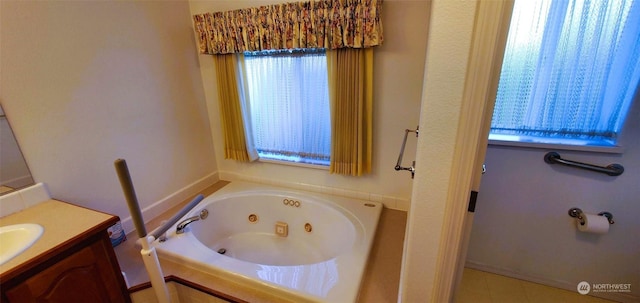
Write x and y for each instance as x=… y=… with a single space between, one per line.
x=557 y=146
x=305 y=165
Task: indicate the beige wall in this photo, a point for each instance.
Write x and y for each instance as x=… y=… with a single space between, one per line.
x=87 y=82
x=398 y=69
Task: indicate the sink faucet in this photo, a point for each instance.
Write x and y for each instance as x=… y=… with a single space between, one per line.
x=182 y=225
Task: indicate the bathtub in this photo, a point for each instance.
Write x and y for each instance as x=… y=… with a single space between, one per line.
x=302 y=246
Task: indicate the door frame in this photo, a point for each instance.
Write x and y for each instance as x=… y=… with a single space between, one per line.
x=438 y=224
x=485 y=66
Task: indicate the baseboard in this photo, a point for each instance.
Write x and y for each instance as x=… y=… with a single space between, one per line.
x=161 y=206
x=619 y=297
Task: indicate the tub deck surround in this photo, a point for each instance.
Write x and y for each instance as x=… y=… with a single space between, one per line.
x=380 y=282
x=322 y=258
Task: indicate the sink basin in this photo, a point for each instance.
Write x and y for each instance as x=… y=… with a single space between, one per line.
x=14 y=239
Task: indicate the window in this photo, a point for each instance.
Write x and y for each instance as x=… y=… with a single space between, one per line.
x=289 y=105
x=570 y=72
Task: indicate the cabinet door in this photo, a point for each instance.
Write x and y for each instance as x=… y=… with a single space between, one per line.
x=84 y=276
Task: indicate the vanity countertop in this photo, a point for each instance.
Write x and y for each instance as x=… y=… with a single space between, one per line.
x=63 y=223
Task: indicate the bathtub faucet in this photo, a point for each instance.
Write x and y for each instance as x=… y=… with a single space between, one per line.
x=182 y=225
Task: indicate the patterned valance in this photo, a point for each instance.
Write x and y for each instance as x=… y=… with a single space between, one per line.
x=312 y=24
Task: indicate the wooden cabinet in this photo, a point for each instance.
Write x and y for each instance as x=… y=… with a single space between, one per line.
x=84 y=270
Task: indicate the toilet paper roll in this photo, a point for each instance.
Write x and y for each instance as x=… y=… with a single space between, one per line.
x=594 y=224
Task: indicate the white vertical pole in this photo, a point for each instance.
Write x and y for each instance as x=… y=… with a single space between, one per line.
x=151 y=263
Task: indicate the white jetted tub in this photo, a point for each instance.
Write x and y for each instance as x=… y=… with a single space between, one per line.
x=306 y=246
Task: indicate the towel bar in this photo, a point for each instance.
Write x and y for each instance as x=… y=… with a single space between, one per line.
x=399 y=166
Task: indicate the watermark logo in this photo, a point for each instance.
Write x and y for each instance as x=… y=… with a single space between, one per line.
x=585 y=287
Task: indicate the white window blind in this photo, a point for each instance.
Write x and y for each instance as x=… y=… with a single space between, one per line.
x=570 y=71
x=289 y=105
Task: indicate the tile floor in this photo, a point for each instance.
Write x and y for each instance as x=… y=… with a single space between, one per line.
x=483 y=287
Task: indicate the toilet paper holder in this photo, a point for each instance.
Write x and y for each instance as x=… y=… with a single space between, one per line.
x=578 y=214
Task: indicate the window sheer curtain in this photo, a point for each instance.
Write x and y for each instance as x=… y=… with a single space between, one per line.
x=351 y=95
x=570 y=70
x=290 y=104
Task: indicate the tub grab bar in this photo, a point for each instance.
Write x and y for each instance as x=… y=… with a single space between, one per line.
x=399 y=166
x=611 y=169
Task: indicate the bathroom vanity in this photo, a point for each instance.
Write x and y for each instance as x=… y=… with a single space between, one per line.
x=73 y=260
